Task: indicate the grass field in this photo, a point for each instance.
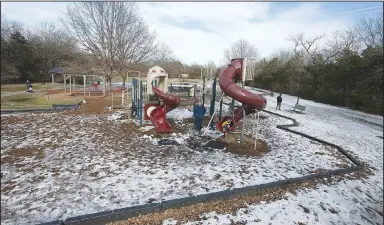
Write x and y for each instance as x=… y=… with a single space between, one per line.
x=24 y=101
x=22 y=87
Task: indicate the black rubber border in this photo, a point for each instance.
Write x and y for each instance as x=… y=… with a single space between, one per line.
x=130 y=212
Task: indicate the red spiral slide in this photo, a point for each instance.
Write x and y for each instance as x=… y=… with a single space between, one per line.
x=251 y=101
x=158 y=115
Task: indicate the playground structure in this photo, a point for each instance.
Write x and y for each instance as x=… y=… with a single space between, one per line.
x=151 y=103
x=239 y=70
x=160 y=92
x=89 y=85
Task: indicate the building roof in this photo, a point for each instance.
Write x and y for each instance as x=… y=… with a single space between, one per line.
x=56 y=70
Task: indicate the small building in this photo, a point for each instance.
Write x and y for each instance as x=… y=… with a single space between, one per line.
x=159 y=74
x=156 y=70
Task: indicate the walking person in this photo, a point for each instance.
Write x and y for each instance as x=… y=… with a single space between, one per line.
x=279 y=101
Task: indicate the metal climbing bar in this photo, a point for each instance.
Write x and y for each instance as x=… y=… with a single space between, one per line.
x=141 y=104
x=210 y=121
x=256 y=120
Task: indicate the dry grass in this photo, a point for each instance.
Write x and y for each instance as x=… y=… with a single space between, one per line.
x=94 y=106
x=15 y=155
x=23 y=101
x=22 y=87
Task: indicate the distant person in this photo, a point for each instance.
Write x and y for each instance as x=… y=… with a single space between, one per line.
x=279 y=101
x=29 y=86
x=133 y=109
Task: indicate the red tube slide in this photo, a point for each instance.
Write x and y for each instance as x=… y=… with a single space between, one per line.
x=251 y=101
x=158 y=115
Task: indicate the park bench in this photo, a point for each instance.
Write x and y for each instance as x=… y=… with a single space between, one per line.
x=299 y=107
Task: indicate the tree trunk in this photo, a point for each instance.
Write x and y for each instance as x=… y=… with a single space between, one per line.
x=345 y=96
x=108 y=83
x=123 y=87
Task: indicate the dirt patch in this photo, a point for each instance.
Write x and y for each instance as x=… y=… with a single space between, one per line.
x=205 y=120
x=55 y=171
x=247 y=148
x=12 y=120
x=16 y=154
x=93 y=106
x=8 y=186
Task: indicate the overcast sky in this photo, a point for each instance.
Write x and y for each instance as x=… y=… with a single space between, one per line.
x=199 y=32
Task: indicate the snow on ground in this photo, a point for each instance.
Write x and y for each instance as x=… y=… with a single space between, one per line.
x=179 y=114
x=147 y=128
x=55 y=166
x=347 y=202
x=116 y=116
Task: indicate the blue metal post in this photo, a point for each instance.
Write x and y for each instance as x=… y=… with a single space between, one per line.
x=194 y=95
x=134 y=90
x=141 y=104
x=232 y=107
x=221 y=109
x=212 y=108
x=203 y=90
x=137 y=98
x=213 y=100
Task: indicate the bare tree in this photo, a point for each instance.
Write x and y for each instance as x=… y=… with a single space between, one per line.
x=340 y=42
x=305 y=47
x=163 y=53
x=8 y=27
x=305 y=50
x=211 y=64
x=240 y=49
x=5 y=27
x=112 y=31
x=283 y=54
x=51 y=47
x=370 y=31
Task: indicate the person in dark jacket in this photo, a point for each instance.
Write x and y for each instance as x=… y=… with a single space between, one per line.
x=199 y=112
x=279 y=101
x=29 y=86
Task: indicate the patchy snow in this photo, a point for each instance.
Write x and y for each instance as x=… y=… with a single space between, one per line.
x=179 y=114
x=119 y=84
x=170 y=222
x=118 y=115
x=87 y=164
x=347 y=202
x=146 y=128
x=180 y=85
